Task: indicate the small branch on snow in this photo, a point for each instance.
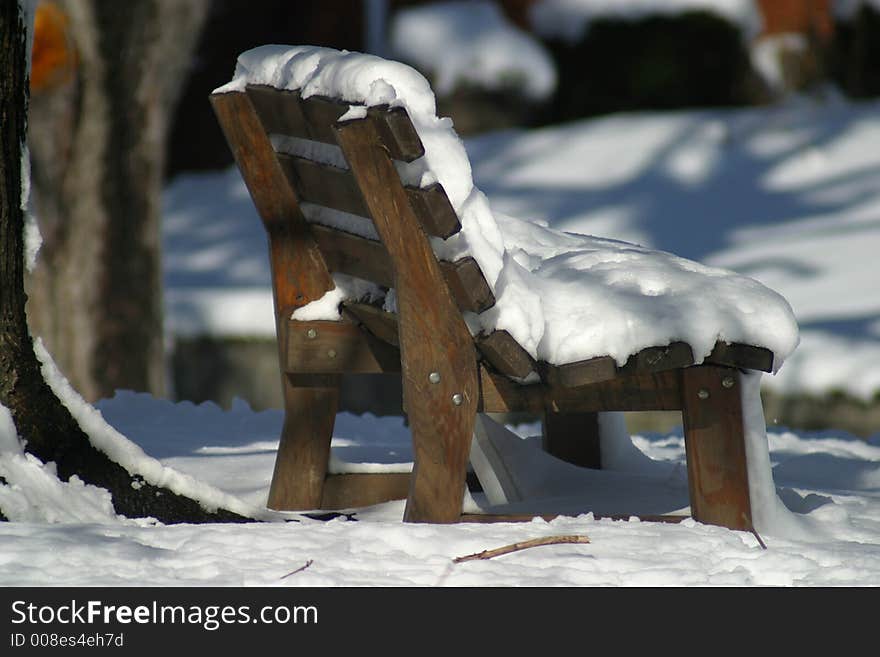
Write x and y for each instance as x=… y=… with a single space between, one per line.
x=298 y=570
x=514 y=547
x=760 y=542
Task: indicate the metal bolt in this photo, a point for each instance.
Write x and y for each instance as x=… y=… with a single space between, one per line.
x=434 y=377
x=311 y=334
x=727 y=382
x=702 y=393
x=331 y=353
x=457 y=399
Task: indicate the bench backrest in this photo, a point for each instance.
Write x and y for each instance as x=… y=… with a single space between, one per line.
x=303 y=134
x=312 y=176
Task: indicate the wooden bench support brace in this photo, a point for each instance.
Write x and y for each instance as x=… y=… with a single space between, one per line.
x=437 y=352
x=716 y=457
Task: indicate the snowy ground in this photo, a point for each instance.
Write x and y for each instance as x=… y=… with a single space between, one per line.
x=830 y=481
x=788 y=195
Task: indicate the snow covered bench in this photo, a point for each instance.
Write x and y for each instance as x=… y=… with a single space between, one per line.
x=386 y=258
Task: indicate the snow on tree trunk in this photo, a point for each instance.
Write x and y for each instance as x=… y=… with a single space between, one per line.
x=42 y=422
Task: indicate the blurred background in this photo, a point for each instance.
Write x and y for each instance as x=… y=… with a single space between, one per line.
x=742 y=133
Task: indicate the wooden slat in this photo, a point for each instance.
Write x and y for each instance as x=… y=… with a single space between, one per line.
x=378 y=322
x=508 y=358
x=321 y=115
x=715 y=447
x=354 y=255
x=285 y=112
x=654 y=359
x=743 y=356
x=368 y=259
x=332 y=187
x=397 y=133
x=658 y=359
x=498 y=394
x=346 y=491
x=605 y=368
x=326 y=347
x=468 y=285
x=580 y=373
x=434 y=210
x=644 y=392
x=506 y=355
x=279 y=111
x=437 y=352
x=323 y=184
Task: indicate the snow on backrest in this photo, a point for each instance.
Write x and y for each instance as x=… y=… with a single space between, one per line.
x=364 y=81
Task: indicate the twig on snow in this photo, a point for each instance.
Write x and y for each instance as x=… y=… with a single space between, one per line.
x=522 y=545
x=298 y=570
x=760 y=542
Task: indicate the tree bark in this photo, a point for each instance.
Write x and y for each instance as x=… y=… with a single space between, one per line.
x=42 y=421
x=98 y=142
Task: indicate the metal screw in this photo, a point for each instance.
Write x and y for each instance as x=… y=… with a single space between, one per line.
x=727 y=382
x=434 y=377
x=457 y=399
x=311 y=334
x=331 y=353
x=702 y=393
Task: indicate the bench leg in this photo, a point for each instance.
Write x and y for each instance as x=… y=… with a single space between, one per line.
x=573 y=437
x=441 y=452
x=304 y=450
x=715 y=445
x=442 y=417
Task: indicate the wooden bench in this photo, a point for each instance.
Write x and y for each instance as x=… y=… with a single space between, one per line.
x=448 y=374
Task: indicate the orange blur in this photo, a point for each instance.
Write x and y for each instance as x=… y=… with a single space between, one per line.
x=54 y=56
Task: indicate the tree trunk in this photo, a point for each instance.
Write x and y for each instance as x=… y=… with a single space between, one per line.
x=41 y=420
x=98 y=138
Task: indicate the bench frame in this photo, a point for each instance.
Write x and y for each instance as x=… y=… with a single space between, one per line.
x=447 y=374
